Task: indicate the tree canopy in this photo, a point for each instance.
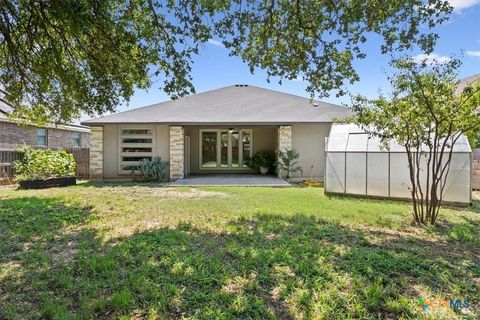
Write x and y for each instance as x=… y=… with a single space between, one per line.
x=59 y=58
x=427 y=114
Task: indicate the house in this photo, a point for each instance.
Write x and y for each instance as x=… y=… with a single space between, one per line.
x=213 y=132
x=13 y=134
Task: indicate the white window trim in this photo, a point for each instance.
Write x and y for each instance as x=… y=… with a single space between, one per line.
x=241 y=167
x=121 y=145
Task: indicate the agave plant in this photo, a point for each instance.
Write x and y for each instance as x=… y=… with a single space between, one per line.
x=153 y=170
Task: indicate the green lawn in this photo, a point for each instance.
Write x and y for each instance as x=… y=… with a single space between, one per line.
x=148 y=252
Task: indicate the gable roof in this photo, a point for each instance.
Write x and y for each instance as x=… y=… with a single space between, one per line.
x=350 y=137
x=239 y=104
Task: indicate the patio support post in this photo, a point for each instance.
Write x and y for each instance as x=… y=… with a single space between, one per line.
x=284 y=141
x=177 y=139
x=96 y=153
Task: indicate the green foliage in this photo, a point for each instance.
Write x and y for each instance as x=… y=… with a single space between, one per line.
x=43 y=164
x=58 y=58
x=260 y=159
x=426 y=114
x=474 y=138
x=318 y=41
x=287 y=162
x=152 y=170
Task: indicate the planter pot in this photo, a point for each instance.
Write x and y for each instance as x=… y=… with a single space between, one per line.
x=263 y=170
x=48 y=183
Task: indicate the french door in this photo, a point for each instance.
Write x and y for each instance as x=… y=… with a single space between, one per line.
x=225 y=148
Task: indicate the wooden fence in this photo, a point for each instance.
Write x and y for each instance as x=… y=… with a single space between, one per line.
x=476 y=154
x=476 y=170
x=82 y=161
x=7 y=157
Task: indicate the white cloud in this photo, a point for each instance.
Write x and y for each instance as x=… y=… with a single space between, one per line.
x=475 y=54
x=431 y=58
x=463 y=4
x=215 y=43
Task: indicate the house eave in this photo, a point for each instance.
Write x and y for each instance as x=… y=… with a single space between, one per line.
x=203 y=123
x=67 y=127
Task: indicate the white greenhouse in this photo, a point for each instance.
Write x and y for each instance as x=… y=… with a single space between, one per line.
x=356 y=164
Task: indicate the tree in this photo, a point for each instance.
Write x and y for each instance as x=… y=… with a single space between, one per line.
x=474 y=138
x=58 y=58
x=427 y=115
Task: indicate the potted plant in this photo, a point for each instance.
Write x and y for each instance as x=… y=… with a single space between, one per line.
x=44 y=168
x=261 y=161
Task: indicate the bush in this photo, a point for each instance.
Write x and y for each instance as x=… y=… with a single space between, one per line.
x=260 y=159
x=287 y=162
x=36 y=164
x=152 y=170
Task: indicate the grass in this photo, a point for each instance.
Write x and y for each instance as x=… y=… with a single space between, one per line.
x=147 y=252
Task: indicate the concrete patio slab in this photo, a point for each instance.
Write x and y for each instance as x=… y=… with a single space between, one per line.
x=231 y=180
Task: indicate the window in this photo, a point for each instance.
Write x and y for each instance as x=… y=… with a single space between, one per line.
x=126 y=132
x=225 y=148
x=42 y=137
x=135 y=144
x=77 y=139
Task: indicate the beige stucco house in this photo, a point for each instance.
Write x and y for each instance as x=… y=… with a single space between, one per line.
x=213 y=132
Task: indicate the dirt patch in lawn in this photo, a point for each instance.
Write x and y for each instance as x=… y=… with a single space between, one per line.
x=186 y=194
x=167 y=193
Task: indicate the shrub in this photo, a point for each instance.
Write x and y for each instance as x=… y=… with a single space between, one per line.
x=287 y=162
x=36 y=164
x=152 y=170
x=260 y=159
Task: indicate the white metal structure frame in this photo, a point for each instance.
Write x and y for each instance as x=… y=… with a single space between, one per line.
x=356 y=164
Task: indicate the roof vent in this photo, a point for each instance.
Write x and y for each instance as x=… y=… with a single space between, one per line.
x=241 y=85
x=315 y=104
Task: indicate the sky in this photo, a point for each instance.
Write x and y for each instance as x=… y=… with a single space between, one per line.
x=213 y=68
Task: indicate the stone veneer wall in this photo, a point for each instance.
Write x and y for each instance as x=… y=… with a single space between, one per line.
x=284 y=140
x=96 y=153
x=176 y=152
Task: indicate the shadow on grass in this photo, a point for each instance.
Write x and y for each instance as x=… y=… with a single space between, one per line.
x=264 y=267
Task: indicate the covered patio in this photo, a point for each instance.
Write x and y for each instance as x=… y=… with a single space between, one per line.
x=244 y=180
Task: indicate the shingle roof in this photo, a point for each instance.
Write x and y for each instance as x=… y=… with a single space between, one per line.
x=462 y=84
x=234 y=104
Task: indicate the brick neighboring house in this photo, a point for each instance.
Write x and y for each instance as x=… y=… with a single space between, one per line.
x=13 y=134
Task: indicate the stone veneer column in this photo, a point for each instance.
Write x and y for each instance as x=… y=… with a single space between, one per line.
x=176 y=152
x=284 y=141
x=96 y=153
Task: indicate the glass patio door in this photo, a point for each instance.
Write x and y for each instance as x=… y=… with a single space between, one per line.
x=225 y=148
